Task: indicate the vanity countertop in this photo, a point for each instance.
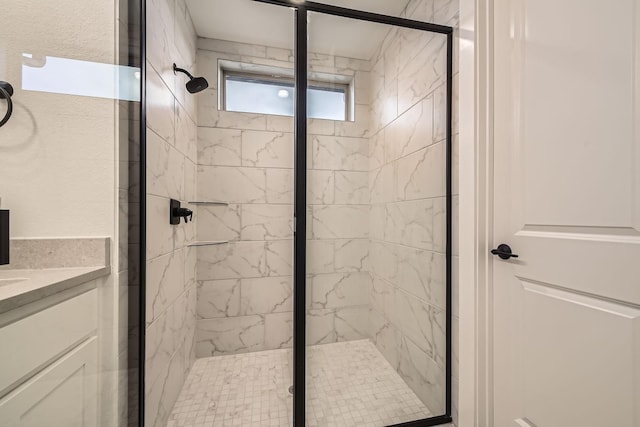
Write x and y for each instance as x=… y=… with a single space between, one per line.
x=23 y=286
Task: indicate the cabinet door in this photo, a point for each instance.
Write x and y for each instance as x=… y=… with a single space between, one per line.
x=64 y=394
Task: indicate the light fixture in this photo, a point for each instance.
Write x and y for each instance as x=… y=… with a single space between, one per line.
x=283 y=93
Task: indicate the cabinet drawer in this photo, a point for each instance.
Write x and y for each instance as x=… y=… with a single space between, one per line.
x=63 y=394
x=38 y=339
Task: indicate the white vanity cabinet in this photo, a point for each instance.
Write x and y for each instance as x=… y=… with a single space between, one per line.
x=48 y=362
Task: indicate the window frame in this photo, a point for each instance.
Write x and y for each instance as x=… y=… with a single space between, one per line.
x=284 y=80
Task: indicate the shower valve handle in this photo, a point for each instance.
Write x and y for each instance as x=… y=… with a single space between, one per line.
x=185 y=213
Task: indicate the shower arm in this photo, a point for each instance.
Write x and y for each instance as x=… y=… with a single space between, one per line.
x=182 y=70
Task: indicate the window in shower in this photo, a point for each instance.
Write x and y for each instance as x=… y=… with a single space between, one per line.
x=271 y=94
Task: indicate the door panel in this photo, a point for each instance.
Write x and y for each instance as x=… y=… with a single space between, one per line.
x=566 y=185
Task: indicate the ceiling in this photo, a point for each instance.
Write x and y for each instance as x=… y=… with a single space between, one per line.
x=248 y=21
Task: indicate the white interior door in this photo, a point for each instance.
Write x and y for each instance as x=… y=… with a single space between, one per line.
x=567 y=200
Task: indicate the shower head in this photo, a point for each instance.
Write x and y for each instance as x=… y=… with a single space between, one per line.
x=195 y=84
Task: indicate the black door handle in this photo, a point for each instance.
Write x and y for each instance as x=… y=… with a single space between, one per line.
x=504 y=252
x=6 y=91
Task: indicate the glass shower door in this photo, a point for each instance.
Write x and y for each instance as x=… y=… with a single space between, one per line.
x=376 y=320
x=68 y=295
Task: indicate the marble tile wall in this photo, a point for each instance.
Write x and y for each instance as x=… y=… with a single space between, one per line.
x=407 y=150
x=376 y=217
x=246 y=160
x=171 y=173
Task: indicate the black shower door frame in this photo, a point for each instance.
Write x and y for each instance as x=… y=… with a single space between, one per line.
x=301 y=9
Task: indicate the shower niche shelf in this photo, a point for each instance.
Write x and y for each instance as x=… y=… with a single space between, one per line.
x=209 y=203
x=210 y=243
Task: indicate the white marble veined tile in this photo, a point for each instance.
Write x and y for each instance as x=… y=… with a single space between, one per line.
x=359 y=128
x=266 y=222
x=321 y=187
x=165 y=362
x=423 y=323
x=190 y=266
x=279 y=257
x=446 y=12
x=190 y=174
x=455 y=225
x=232 y=184
x=218 y=222
x=340 y=153
x=160 y=37
x=382 y=299
x=339 y=290
x=382 y=259
x=280 y=186
x=229 y=335
x=210 y=116
x=422 y=174
x=280 y=54
x=220 y=147
x=162 y=389
x=165 y=171
x=410 y=223
x=411 y=131
x=266 y=295
x=385 y=336
x=422 y=375
x=160 y=237
x=382 y=183
x=218 y=298
x=232 y=261
x=419 y=10
x=413 y=41
x=391 y=51
x=377 y=80
x=237 y=48
x=385 y=104
x=320 y=256
x=351 y=255
x=321 y=127
x=278 y=330
x=376 y=150
x=160 y=107
x=440 y=113
x=207 y=66
x=377 y=221
x=321 y=59
x=423 y=73
x=362 y=87
x=352 y=323
x=344 y=63
x=279 y=123
x=340 y=221
x=165 y=282
x=320 y=326
x=183 y=318
x=267 y=149
x=186 y=140
x=422 y=273
x=351 y=188
x=440 y=224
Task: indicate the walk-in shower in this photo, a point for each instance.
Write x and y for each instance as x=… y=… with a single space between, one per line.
x=257 y=203
x=320 y=176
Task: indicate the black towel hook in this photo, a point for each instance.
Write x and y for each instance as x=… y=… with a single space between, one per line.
x=6 y=91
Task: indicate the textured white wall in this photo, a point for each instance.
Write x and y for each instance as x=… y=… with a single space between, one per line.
x=57 y=153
